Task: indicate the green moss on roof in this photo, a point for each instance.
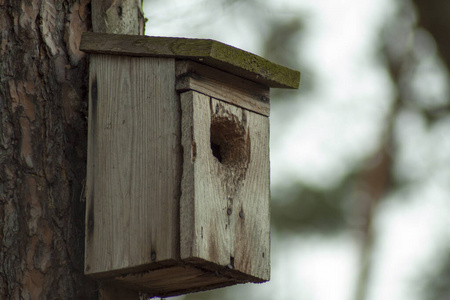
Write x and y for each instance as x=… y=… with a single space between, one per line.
x=209 y=52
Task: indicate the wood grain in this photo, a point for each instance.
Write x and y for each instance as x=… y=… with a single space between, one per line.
x=134 y=163
x=175 y=281
x=224 y=206
x=209 y=52
x=177 y=185
x=224 y=86
x=203 y=210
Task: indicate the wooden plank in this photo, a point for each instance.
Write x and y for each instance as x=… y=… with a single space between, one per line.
x=251 y=208
x=224 y=205
x=203 y=216
x=224 y=86
x=175 y=281
x=209 y=52
x=134 y=164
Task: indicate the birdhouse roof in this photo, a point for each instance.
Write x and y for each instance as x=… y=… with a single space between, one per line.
x=205 y=51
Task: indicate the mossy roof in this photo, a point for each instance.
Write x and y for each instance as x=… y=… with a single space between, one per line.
x=206 y=51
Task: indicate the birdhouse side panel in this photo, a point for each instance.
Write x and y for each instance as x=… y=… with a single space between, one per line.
x=134 y=164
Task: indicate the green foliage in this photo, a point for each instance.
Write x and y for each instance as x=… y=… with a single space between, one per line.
x=303 y=209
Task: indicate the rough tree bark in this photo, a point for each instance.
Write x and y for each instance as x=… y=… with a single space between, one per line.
x=43 y=92
x=118 y=16
x=43 y=126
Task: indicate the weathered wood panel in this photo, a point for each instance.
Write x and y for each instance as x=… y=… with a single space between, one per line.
x=224 y=207
x=134 y=163
x=210 y=52
x=224 y=86
x=175 y=281
x=203 y=205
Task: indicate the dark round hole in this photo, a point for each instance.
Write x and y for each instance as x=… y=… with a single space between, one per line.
x=216 y=151
x=229 y=140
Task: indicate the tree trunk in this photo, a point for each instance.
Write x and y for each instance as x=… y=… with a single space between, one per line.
x=43 y=115
x=118 y=16
x=43 y=92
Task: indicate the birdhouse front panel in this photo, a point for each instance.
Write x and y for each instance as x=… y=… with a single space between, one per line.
x=224 y=207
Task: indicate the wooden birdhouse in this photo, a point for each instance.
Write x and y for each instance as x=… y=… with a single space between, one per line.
x=178 y=163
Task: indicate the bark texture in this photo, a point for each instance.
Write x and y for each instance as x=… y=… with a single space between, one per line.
x=43 y=109
x=118 y=16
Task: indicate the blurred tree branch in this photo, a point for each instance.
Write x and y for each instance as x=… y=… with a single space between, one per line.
x=434 y=16
x=401 y=63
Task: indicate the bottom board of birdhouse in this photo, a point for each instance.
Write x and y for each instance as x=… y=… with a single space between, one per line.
x=181 y=279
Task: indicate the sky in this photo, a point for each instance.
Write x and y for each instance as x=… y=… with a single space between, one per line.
x=327 y=132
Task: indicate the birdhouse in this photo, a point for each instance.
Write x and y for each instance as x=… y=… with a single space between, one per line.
x=177 y=184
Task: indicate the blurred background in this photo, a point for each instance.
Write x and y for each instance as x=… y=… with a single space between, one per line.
x=360 y=154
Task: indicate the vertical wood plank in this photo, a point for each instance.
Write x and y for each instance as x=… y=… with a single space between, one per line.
x=251 y=217
x=203 y=209
x=134 y=159
x=225 y=186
